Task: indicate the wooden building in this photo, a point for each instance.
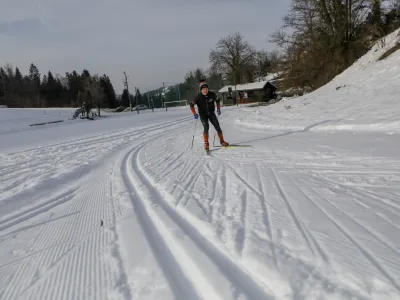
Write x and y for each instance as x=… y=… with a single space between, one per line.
x=262 y=91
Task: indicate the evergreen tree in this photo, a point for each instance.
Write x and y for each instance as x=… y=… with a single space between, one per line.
x=111 y=99
x=125 y=98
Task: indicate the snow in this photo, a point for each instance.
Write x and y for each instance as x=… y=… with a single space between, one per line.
x=365 y=97
x=123 y=208
x=245 y=87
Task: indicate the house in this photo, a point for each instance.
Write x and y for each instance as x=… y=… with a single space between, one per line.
x=261 y=91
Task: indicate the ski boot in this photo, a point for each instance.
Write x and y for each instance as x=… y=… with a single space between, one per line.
x=221 y=139
x=206 y=144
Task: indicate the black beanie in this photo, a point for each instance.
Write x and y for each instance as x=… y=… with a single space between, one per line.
x=203 y=84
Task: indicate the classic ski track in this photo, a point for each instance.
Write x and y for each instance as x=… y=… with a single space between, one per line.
x=50 y=155
x=58 y=254
x=240 y=178
x=376 y=236
x=313 y=270
x=91 y=142
x=359 y=195
x=361 y=192
x=12 y=220
x=76 y=149
x=185 y=191
x=358 y=245
x=101 y=136
x=307 y=235
x=77 y=249
x=182 y=287
x=24 y=228
x=234 y=274
x=188 y=187
x=221 y=205
x=267 y=219
x=310 y=164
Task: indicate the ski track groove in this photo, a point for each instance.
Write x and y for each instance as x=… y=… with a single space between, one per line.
x=267 y=218
x=310 y=240
x=38 y=224
x=253 y=189
x=241 y=232
x=87 y=242
x=186 y=170
x=38 y=209
x=95 y=138
x=164 y=173
x=123 y=277
x=235 y=273
x=360 y=198
x=211 y=201
x=312 y=270
x=80 y=240
x=362 y=193
x=318 y=247
x=359 y=246
x=181 y=286
x=189 y=186
x=354 y=220
x=42 y=155
x=218 y=215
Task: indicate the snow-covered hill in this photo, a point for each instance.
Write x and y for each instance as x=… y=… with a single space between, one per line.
x=365 y=97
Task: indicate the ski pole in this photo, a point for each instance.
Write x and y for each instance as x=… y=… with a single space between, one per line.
x=194 y=131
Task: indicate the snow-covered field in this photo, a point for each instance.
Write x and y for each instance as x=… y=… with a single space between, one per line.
x=123 y=208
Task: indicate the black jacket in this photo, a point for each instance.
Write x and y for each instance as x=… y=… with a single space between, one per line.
x=205 y=104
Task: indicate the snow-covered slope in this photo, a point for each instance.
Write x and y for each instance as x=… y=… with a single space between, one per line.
x=365 y=97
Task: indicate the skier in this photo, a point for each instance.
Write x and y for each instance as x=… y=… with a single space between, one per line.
x=206 y=107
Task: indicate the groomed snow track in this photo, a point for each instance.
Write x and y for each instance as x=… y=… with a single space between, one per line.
x=136 y=214
x=196 y=267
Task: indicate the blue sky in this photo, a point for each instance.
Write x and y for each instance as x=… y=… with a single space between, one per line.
x=152 y=40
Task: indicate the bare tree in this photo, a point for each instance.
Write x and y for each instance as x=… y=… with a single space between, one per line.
x=92 y=94
x=326 y=37
x=267 y=62
x=94 y=88
x=233 y=56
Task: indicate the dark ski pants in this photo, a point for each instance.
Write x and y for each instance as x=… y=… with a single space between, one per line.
x=214 y=121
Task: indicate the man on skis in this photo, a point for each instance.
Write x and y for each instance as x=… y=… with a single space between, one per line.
x=205 y=102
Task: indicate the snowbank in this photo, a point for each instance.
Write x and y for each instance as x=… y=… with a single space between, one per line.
x=365 y=97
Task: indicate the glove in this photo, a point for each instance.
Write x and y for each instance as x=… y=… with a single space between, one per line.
x=218 y=112
x=196 y=116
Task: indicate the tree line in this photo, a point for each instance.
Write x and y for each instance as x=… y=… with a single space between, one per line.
x=330 y=35
x=318 y=40
x=48 y=90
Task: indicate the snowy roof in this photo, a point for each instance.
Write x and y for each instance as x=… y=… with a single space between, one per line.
x=246 y=87
x=269 y=77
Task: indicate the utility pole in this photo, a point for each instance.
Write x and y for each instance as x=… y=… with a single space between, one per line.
x=164 y=96
x=127 y=89
x=148 y=101
x=136 y=100
x=179 y=93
